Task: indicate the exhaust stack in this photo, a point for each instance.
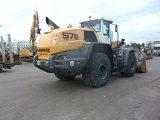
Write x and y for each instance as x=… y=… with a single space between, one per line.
x=51 y=24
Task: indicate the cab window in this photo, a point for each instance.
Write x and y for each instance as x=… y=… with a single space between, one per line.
x=90 y=36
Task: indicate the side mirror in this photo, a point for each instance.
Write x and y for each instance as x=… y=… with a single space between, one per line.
x=116 y=28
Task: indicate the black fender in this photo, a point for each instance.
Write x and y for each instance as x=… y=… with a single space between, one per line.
x=94 y=47
x=126 y=54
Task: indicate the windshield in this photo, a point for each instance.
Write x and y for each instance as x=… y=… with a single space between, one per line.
x=94 y=24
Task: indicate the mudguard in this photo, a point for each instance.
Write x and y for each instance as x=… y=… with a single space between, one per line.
x=94 y=47
x=127 y=51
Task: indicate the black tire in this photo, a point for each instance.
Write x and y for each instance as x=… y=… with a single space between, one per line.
x=64 y=78
x=98 y=71
x=131 y=66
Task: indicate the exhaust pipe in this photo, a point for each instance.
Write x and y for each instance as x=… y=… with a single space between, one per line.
x=51 y=24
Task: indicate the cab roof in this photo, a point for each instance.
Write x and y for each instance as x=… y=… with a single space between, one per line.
x=111 y=21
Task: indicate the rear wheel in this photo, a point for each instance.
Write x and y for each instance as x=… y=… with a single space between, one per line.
x=98 y=71
x=64 y=78
x=131 y=66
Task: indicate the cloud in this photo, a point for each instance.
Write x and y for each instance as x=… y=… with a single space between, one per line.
x=138 y=20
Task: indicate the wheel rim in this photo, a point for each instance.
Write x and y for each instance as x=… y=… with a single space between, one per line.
x=132 y=66
x=102 y=71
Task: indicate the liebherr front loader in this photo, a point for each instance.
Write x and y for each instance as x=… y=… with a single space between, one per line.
x=86 y=51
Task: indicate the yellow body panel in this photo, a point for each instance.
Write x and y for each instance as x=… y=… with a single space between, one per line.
x=25 y=53
x=53 y=42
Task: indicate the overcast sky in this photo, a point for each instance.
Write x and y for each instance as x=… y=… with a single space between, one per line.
x=138 y=20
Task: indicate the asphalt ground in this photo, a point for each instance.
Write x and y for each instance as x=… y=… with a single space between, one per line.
x=27 y=93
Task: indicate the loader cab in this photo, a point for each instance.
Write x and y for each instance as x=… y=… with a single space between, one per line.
x=102 y=28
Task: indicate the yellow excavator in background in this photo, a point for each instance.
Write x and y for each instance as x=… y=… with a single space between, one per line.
x=28 y=53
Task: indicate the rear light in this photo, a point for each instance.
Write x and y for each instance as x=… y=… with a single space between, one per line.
x=62 y=57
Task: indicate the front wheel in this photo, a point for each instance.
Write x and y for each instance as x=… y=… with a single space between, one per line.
x=131 y=66
x=98 y=71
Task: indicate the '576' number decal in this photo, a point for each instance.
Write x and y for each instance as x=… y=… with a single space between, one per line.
x=70 y=35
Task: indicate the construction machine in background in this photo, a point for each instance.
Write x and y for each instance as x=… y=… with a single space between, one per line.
x=17 y=59
x=6 y=54
x=28 y=53
x=87 y=51
x=149 y=53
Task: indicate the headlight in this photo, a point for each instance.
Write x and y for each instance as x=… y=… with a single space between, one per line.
x=55 y=36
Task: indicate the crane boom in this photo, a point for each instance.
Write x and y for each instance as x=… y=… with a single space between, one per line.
x=34 y=30
x=28 y=53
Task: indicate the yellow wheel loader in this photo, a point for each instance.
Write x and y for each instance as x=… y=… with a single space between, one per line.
x=87 y=51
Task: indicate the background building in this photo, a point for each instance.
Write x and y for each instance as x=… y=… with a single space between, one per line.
x=17 y=45
x=156 y=45
x=23 y=44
